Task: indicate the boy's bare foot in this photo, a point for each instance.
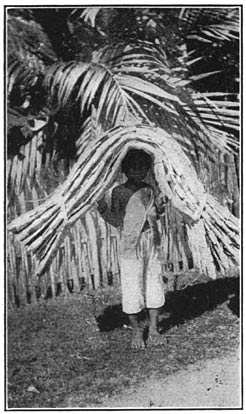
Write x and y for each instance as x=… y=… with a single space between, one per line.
x=155 y=338
x=137 y=339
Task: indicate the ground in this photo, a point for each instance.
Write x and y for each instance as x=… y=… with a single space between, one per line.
x=75 y=352
x=213 y=383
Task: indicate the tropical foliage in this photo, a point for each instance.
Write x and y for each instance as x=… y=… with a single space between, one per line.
x=137 y=69
x=115 y=68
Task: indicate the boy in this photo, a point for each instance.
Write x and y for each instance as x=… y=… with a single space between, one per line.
x=134 y=211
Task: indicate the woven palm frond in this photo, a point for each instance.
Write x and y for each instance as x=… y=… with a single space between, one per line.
x=213 y=231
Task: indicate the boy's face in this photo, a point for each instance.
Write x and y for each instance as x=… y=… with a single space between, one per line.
x=137 y=171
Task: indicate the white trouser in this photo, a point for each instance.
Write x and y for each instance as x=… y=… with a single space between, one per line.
x=141 y=277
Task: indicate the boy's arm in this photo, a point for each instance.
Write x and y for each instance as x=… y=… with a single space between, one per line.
x=112 y=216
x=152 y=218
x=157 y=209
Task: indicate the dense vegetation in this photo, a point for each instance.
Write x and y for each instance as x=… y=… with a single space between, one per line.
x=74 y=74
x=64 y=62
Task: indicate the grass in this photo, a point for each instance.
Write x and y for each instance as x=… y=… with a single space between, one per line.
x=75 y=352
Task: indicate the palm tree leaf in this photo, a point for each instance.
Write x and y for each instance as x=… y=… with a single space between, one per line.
x=209 y=24
x=218 y=109
x=90 y=85
x=71 y=74
x=199 y=38
x=191 y=62
x=203 y=75
x=136 y=110
x=131 y=88
x=29 y=52
x=61 y=80
x=99 y=78
x=138 y=85
x=112 y=98
x=107 y=86
x=120 y=91
x=90 y=14
x=91 y=130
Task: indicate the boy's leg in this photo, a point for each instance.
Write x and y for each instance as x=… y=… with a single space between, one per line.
x=133 y=296
x=137 y=333
x=154 y=338
x=153 y=315
x=155 y=298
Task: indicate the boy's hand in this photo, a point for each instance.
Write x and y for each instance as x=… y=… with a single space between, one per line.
x=162 y=200
x=102 y=205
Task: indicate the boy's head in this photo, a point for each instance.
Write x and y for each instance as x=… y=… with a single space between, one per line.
x=136 y=164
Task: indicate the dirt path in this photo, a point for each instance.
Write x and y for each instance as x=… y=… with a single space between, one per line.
x=212 y=384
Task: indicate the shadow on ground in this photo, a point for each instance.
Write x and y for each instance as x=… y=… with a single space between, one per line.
x=182 y=305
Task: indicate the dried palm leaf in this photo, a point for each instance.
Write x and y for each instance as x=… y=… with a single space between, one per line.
x=42 y=229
